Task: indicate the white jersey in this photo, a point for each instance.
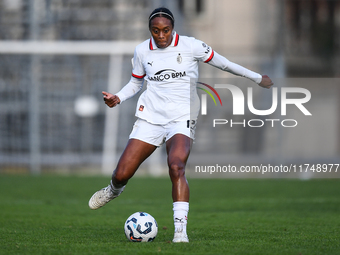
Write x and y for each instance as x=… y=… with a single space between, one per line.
x=171 y=75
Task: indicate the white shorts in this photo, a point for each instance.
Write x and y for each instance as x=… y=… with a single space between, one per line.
x=158 y=134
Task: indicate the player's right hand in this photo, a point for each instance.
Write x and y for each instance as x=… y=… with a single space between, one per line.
x=110 y=99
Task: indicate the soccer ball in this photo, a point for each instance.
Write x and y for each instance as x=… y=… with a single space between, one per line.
x=141 y=227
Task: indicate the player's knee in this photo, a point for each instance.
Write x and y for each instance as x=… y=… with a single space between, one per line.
x=176 y=169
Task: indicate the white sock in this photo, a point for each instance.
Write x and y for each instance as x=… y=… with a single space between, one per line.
x=116 y=190
x=181 y=210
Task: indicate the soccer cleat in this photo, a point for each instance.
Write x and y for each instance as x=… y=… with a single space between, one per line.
x=180 y=237
x=101 y=198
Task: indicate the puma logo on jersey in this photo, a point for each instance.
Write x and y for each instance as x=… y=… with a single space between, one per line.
x=150 y=63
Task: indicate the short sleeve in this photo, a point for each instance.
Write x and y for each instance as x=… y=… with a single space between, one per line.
x=138 y=70
x=202 y=51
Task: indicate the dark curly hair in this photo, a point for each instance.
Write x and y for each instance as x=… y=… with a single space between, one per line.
x=162 y=12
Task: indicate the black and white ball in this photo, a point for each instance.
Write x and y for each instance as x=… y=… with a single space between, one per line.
x=141 y=227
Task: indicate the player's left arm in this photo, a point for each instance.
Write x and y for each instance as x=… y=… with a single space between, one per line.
x=203 y=52
x=224 y=64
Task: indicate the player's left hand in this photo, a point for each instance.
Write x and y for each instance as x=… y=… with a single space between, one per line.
x=266 y=82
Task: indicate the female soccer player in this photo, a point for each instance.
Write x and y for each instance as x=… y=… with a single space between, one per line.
x=168 y=63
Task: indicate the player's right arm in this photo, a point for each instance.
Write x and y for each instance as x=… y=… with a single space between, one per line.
x=128 y=91
x=135 y=84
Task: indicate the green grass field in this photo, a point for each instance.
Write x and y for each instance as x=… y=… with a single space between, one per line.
x=50 y=215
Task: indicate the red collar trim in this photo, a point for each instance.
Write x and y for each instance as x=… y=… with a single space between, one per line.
x=150 y=44
x=174 y=43
x=176 y=40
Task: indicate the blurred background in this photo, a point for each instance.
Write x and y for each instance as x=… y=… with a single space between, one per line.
x=57 y=56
